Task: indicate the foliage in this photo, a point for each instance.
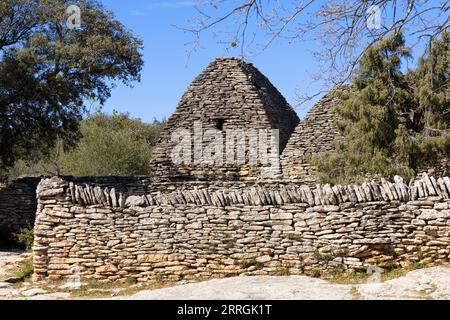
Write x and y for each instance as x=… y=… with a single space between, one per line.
x=282 y=272
x=247 y=263
x=26 y=237
x=431 y=84
x=394 y=273
x=322 y=256
x=392 y=122
x=131 y=280
x=42 y=163
x=294 y=236
x=341 y=276
x=116 y=145
x=48 y=71
x=108 y=145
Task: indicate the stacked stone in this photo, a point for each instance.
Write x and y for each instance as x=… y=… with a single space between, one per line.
x=229 y=94
x=225 y=231
x=265 y=195
x=18 y=198
x=314 y=135
x=17 y=207
x=131 y=185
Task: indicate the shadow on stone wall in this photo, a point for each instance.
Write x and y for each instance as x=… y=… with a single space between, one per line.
x=17 y=209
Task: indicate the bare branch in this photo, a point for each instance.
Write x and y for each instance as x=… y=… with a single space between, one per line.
x=339 y=28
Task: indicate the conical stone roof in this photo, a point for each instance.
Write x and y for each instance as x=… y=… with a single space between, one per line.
x=314 y=135
x=228 y=94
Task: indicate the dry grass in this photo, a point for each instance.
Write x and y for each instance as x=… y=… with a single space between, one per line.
x=390 y=274
x=339 y=276
x=349 y=278
x=98 y=290
x=22 y=271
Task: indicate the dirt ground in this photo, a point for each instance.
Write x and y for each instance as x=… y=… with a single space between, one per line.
x=430 y=283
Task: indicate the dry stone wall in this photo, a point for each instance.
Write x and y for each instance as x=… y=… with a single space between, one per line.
x=202 y=230
x=17 y=207
x=228 y=95
x=18 y=200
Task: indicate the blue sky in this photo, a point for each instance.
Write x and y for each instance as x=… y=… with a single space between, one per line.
x=168 y=70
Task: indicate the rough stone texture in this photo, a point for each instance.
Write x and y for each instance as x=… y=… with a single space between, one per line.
x=17 y=207
x=18 y=199
x=236 y=93
x=211 y=230
x=424 y=284
x=251 y=288
x=429 y=283
x=313 y=135
x=10 y=260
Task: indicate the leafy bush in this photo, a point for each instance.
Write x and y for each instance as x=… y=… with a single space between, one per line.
x=26 y=237
x=282 y=272
x=114 y=145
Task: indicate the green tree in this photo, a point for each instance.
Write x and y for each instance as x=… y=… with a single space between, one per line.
x=431 y=83
x=387 y=117
x=111 y=145
x=48 y=71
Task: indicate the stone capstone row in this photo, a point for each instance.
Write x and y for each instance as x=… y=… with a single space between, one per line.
x=86 y=195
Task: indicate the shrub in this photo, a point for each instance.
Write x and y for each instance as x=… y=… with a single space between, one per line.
x=322 y=257
x=26 y=238
x=282 y=272
x=130 y=280
x=116 y=145
x=245 y=264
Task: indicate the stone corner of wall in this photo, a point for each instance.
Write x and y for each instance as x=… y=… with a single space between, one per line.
x=49 y=187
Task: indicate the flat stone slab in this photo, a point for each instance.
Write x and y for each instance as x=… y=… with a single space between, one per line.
x=7 y=293
x=251 y=288
x=52 y=296
x=33 y=292
x=4 y=285
x=431 y=283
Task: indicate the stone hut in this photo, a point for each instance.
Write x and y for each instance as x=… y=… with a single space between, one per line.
x=229 y=95
x=314 y=135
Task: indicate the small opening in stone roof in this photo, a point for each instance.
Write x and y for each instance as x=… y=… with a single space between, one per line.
x=219 y=124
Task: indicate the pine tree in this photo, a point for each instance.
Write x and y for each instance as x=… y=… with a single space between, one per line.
x=431 y=83
x=392 y=123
